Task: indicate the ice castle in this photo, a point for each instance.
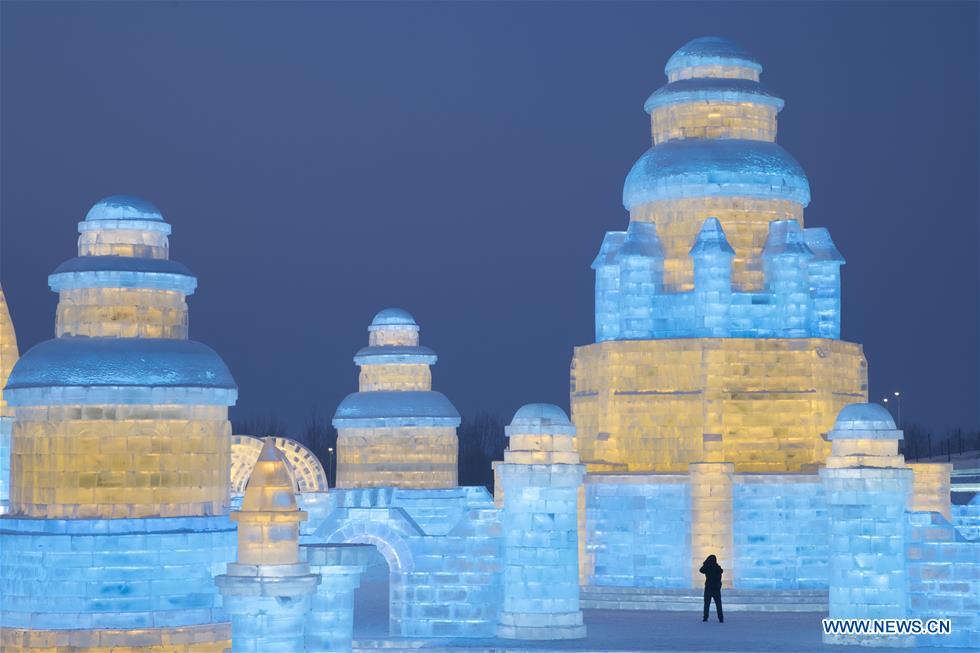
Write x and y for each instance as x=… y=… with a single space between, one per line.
x=717 y=412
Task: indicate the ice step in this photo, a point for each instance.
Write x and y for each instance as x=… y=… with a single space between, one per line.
x=734 y=600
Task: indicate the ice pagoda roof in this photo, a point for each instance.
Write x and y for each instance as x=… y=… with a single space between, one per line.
x=143 y=362
x=711 y=50
x=715 y=167
x=393 y=317
x=359 y=407
x=395 y=354
x=712 y=89
x=124 y=207
x=122 y=264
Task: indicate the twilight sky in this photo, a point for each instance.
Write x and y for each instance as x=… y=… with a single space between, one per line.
x=321 y=161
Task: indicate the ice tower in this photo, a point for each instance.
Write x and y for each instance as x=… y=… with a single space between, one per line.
x=8 y=356
x=717 y=314
x=119 y=456
x=396 y=431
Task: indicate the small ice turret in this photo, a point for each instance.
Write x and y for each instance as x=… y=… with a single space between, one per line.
x=786 y=259
x=824 y=273
x=541 y=477
x=607 y=287
x=712 y=256
x=641 y=268
x=867 y=486
x=267 y=591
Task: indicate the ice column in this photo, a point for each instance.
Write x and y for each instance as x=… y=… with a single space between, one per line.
x=931 y=488
x=641 y=268
x=712 y=256
x=267 y=591
x=607 y=287
x=824 y=273
x=711 y=510
x=329 y=627
x=541 y=475
x=867 y=486
x=785 y=262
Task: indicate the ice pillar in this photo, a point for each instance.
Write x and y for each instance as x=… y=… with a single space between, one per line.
x=867 y=486
x=931 y=488
x=607 y=287
x=711 y=510
x=541 y=475
x=641 y=267
x=267 y=591
x=329 y=628
x=786 y=261
x=824 y=274
x=712 y=257
x=8 y=356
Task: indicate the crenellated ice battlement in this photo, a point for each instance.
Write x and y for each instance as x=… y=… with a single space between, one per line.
x=800 y=297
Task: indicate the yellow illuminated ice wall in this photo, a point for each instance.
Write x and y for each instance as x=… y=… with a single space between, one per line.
x=8 y=356
x=396 y=431
x=119 y=456
x=717 y=314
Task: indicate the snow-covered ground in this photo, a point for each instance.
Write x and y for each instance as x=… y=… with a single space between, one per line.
x=610 y=630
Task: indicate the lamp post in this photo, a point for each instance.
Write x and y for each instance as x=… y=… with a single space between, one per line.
x=329 y=466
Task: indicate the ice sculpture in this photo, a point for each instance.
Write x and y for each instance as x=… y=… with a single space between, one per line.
x=541 y=477
x=329 y=627
x=396 y=431
x=267 y=591
x=867 y=485
x=716 y=312
x=304 y=468
x=8 y=356
x=119 y=455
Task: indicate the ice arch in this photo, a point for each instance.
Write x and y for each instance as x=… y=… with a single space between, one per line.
x=303 y=466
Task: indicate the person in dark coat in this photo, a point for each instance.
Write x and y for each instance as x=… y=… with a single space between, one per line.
x=712 y=586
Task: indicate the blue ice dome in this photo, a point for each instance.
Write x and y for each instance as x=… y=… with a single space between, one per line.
x=122 y=272
x=120 y=371
x=540 y=418
x=395 y=408
x=393 y=317
x=711 y=51
x=124 y=207
x=713 y=89
x=715 y=167
x=395 y=355
x=865 y=422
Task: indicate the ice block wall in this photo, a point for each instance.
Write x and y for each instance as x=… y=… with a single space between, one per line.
x=639 y=530
x=119 y=455
x=542 y=476
x=780 y=528
x=716 y=311
x=396 y=431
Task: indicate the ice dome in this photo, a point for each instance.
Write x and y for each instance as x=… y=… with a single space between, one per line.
x=393 y=317
x=394 y=404
x=709 y=51
x=864 y=421
x=115 y=362
x=715 y=167
x=540 y=418
x=124 y=207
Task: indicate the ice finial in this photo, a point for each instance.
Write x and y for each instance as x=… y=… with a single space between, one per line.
x=270 y=488
x=711 y=239
x=785 y=238
x=641 y=240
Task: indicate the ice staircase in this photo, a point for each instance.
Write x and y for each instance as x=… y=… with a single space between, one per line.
x=692 y=600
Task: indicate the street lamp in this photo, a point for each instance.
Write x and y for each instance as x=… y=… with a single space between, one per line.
x=329 y=465
x=898 y=406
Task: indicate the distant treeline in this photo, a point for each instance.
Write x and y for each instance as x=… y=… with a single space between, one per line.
x=481 y=441
x=920 y=443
